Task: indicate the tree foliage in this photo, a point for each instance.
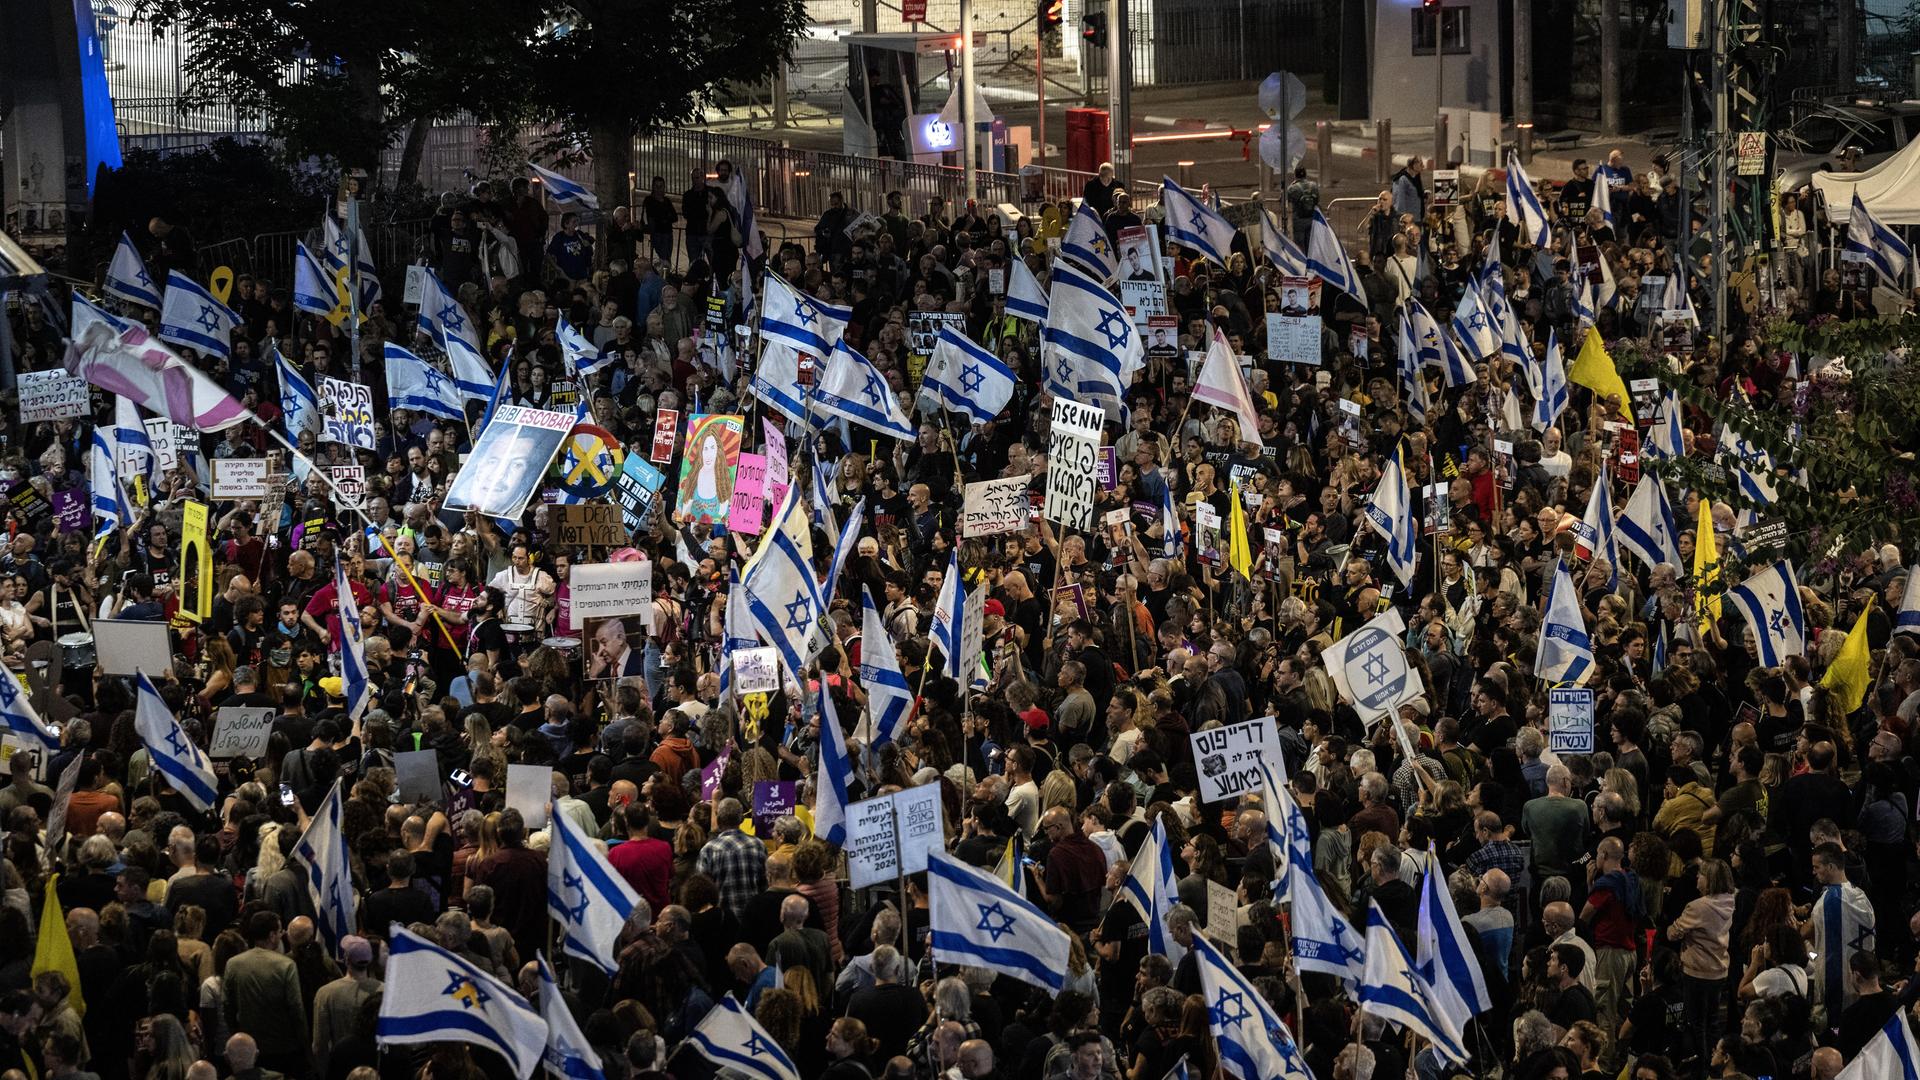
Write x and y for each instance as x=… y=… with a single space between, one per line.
x=1844 y=446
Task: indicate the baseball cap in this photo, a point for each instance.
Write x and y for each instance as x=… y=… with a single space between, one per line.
x=1035 y=718
x=333 y=687
x=356 y=949
x=995 y=607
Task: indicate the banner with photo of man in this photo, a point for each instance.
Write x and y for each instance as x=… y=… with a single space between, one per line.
x=508 y=462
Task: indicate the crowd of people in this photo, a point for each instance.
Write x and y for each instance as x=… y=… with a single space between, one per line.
x=1665 y=906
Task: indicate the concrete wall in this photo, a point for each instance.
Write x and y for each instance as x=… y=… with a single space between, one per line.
x=1403 y=81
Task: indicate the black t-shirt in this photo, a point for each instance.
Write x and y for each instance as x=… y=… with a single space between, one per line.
x=1124 y=925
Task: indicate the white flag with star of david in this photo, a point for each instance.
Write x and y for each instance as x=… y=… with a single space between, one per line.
x=585 y=895
x=852 y=388
x=978 y=921
x=783 y=597
x=1255 y=1043
x=731 y=1038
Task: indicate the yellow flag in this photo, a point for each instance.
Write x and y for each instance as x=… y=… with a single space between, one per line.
x=1706 y=565
x=54 y=950
x=1594 y=369
x=1852 y=670
x=1239 y=551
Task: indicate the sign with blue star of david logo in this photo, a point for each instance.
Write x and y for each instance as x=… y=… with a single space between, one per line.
x=995 y=921
x=1376 y=671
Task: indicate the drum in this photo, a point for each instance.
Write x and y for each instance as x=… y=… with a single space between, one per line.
x=568 y=647
x=76 y=651
x=520 y=637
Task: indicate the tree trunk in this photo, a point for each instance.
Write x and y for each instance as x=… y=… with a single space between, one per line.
x=612 y=145
x=412 y=151
x=363 y=150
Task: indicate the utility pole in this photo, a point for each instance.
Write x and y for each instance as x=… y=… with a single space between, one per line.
x=353 y=281
x=869 y=16
x=1522 y=63
x=1120 y=89
x=1717 y=142
x=1439 y=86
x=971 y=149
x=1610 y=65
x=1040 y=91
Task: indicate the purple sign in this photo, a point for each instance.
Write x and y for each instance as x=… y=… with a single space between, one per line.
x=69 y=511
x=771 y=798
x=1107 y=469
x=710 y=776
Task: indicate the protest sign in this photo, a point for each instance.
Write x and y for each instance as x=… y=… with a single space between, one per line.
x=638 y=488
x=923 y=328
x=163 y=436
x=1228 y=758
x=603 y=590
x=241 y=731
x=589 y=525
x=346 y=409
x=1139 y=259
x=1143 y=300
x=590 y=458
x=615 y=646
x=748 y=511
x=239 y=478
x=992 y=507
x=1570 y=720
x=771 y=799
x=51 y=395
x=512 y=455
x=529 y=788
x=69 y=511
x=1071 y=454
x=1369 y=667
x=778 y=465
x=666 y=430
x=756 y=671
x=349 y=485
x=891 y=835
x=1293 y=332
x=418 y=774
x=708 y=468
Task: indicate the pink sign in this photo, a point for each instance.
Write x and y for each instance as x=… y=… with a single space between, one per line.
x=748 y=511
x=777 y=467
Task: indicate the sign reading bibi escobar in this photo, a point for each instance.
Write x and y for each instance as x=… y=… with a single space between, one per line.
x=506 y=465
x=1072 y=457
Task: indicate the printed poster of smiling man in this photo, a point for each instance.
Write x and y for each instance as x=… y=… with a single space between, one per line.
x=707 y=467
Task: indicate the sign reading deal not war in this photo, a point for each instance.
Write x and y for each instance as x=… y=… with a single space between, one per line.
x=875 y=852
x=607 y=590
x=995 y=506
x=1072 y=460
x=1228 y=758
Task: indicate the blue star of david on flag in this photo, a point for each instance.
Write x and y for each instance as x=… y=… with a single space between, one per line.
x=144 y=279
x=208 y=319
x=804 y=312
x=1230 y=1008
x=1115 y=338
x=872 y=390
x=453 y=318
x=758 y=1046
x=578 y=886
x=177 y=742
x=797 y=613
x=463 y=989
x=970 y=378
x=989 y=913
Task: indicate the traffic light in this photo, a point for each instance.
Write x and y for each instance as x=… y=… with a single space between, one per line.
x=1093 y=29
x=1052 y=12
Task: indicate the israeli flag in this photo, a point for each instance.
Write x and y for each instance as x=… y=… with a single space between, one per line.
x=948 y=614
x=889 y=698
x=1328 y=259
x=1659 y=653
x=336 y=252
x=1565 y=652
x=568 y=1055
x=853 y=389
x=1448 y=968
x=1523 y=205
x=843 y=547
x=1086 y=243
x=434 y=996
x=127 y=277
x=1603 y=200
x=1152 y=889
x=1436 y=349
x=776 y=381
x=793 y=318
x=1194 y=224
x=731 y=1038
x=353 y=646
x=323 y=850
x=17 y=714
x=1594 y=535
x=1666 y=441
x=1254 y=1042
x=133 y=445
x=1407 y=359
x=1770 y=601
x=1025 y=298
x=1282 y=816
x=442 y=317
x=836 y=770
x=1170 y=534
x=966 y=378
x=1892 y=1055
x=1393 y=991
x=1322 y=938
x=563 y=191
x=978 y=921
x=313 y=285
x=1907 y=619
x=1583 y=301
x=1647 y=527
x=740 y=201
x=582 y=356
x=192 y=317
x=179 y=762
x=108 y=496
x=782 y=594
x=1474 y=326
x=1285 y=255
x=586 y=896
x=299 y=405
x=1092 y=348
x=1554 y=388
x=1878 y=246
x=1390 y=513
x=412 y=383
x=737 y=621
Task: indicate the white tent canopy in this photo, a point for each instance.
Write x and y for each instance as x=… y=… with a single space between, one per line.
x=1890 y=190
